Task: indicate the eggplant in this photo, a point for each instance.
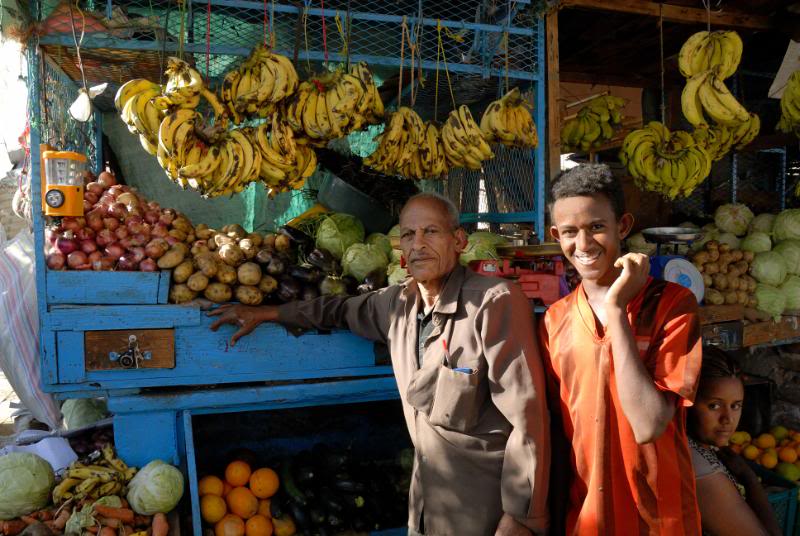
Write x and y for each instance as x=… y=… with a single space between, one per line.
x=264 y=256
x=330 y=500
x=276 y=266
x=351 y=283
x=306 y=274
x=277 y=505
x=288 y=289
x=295 y=235
x=349 y=486
x=324 y=260
x=309 y=292
x=376 y=278
x=365 y=288
x=301 y=517
x=332 y=286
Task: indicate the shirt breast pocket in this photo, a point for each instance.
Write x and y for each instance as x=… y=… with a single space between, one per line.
x=457 y=398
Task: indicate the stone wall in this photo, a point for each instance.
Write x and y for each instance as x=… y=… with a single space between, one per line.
x=780 y=364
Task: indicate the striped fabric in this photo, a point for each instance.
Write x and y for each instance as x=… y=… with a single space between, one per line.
x=19 y=328
x=619 y=486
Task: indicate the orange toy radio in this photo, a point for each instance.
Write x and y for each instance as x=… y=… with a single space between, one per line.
x=62 y=183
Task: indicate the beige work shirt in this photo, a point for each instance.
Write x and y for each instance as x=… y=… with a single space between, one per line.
x=481 y=436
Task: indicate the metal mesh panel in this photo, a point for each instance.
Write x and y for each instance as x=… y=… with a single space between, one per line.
x=52 y=118
x=484 y=43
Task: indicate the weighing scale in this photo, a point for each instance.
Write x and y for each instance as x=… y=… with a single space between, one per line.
x=673 y=267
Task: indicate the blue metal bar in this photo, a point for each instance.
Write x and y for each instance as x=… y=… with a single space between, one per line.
x=512 y=217
x=199 y=48
x=109 y=9
x=98 y=142
x=541 y=121
x=191 y=467
x=375 y=17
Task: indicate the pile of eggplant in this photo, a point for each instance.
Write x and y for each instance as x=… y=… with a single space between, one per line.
x=330 y=491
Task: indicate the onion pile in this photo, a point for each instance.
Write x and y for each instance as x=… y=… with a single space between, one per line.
x=120 y=230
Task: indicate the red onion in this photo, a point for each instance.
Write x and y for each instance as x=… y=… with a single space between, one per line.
x=56 y=260
x=106 y=199
x=91 y=198
x=171 y=240
x=72 y=224
x=87 y=206
x=135 y=211
x=134 y=223
x=127 y=263
x=126 y=243
x=117 y=210
x=106 y=178
x=103 y=263
x=167 y=215
x=85 y=233
x=115 y=190
x=152 y=205
x=50 y=234
x=77 y=259
x=122 y=232
x=129 y=199
x=96 y=188
x=148 y=265
x=137 y=253
x=105 y=237
x=115 y=251
x=111 y=223
x=88 y=246
x=160 y=230
x=151 y=216
x=140 y=239
x=66 y=243
x=156 y=248
x=95 y=256
x=94 y=220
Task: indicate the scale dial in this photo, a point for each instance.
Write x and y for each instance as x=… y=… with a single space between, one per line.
x=54 y=198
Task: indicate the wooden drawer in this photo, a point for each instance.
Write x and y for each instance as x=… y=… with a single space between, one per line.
x=126 y=349
x=106 y=288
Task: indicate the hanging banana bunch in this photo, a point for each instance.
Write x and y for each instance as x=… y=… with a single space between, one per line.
x=334 y=105
x=134 y=102
x=409 y=147
x=509 y=121
x=284 y=164
x=671 y=163
x=258 y=85
x=790 y=106
x=463 y=141
x=184 y=88
x=594 y=123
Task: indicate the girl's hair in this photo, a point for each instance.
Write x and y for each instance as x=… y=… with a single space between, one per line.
x=718 y=364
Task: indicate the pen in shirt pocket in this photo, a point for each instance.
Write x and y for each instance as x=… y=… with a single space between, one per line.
x=447 y=359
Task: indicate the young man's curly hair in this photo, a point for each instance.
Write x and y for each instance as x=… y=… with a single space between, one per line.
x=588 y=180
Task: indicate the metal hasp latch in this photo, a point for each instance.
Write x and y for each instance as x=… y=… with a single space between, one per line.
x=131 y=357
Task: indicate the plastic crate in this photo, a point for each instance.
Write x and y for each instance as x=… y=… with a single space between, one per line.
x=783 y=502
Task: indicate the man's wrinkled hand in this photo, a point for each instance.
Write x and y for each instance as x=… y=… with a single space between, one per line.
x=509 y=526
x=247 y=318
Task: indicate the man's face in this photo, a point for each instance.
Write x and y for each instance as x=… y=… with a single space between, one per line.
x=430 y=245
x=590 y=235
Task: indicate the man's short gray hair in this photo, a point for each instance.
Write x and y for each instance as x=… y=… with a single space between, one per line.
x=445 y=202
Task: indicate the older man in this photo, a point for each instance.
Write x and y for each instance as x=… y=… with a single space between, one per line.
x=468 y=370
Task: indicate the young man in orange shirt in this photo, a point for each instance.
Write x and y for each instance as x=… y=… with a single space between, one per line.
x=623 y=355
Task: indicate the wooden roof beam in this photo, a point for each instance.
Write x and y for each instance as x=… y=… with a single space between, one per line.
x=671 y=13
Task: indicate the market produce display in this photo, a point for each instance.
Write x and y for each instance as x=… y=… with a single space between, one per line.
x=464 y=143
x=671 y=163
x=725 y=276
x=719 y=51
x=120 y=231
x=108 y=475
x=594 y=123
x=790 y=106
x=509 y=121
x=778 y=450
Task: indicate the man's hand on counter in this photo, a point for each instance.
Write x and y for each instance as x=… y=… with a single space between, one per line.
x=244 y=316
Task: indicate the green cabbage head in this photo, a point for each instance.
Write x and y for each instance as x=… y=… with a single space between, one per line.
x=768 y=268
x=380 y=240
x=791 y=289
x=338 y=232
x=771 y=300
x=26 y=481
x=763 y=223
x=80 y=412
x=757 y=242
x=733 y=218
x=790 y=251
x=361 y=259
x=157 y=487
x=787 y=225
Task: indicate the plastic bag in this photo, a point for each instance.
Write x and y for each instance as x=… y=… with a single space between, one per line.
x=19 y=328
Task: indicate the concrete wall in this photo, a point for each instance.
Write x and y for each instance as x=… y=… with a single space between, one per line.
x=10 y=221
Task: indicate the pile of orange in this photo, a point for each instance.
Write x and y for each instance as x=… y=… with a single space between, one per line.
x=239 y=504
x=778 y=449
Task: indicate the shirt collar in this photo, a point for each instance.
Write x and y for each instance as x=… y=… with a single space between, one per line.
x=448 y=300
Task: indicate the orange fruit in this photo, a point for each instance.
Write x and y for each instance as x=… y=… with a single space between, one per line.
x=284 y=526
x=769 y=460
x=751 y=452
x=238 y=473
x=787 y=454
x=263 y=508
x=264 y=483
x=210 y=484
x=226 y=488
x=258 y=525
x=242 y=502
x=765 y=441
x=212 y=508
x=230 y=525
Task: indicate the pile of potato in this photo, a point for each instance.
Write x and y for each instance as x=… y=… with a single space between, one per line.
x=724 y=271
x=222 y=265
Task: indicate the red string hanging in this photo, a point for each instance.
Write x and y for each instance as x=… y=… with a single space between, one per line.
x=208 y=38
x=324 y=30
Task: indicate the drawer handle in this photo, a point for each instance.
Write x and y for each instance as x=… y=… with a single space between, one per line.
x=131 y=357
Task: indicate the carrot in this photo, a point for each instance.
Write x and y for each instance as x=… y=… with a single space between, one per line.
x=123 y=514
x=142 y=521
x=28 y=520
x=93 y=529
x=13 y=527
x=124 y=502
x=109 y=522
x=107 y=531
x=126 y=530
x=61 y=521
x=160 y=525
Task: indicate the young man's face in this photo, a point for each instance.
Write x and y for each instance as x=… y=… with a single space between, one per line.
x=590 y=235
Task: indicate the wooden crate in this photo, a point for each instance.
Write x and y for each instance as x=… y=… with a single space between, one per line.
x=771 y=332
x=711 y=314
x=106 y=288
